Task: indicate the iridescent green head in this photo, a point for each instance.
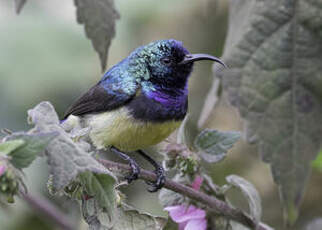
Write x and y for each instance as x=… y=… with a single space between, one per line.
x=166 y=63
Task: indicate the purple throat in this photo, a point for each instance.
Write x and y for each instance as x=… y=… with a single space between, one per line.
x=170 y=100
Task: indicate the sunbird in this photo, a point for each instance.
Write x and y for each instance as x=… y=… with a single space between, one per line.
x=139 y=102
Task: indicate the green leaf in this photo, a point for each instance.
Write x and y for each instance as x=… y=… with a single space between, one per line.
x=274 y=78
x=317 y=163
x=213 y=144
x=131 y=219
x=101 y=187
x=34 y=144
x=19 y=4
x=170 y=198
x=43 y=116
x=66 y=159
x=9 y=146
x=127 y=218
x=91 y=214
x=98 y=17
x=250 y=193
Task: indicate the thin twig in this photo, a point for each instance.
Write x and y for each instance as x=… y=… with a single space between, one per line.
x=44 y=207
x=218 y=206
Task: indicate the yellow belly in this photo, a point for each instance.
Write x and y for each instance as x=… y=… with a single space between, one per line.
x=117 y=128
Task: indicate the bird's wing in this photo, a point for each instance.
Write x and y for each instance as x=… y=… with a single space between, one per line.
x=98 y=99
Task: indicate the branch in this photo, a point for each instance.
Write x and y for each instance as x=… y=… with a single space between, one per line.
x=45 y=208
x=218 y=206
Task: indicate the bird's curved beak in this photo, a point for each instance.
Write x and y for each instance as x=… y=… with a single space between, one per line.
x=198 y=57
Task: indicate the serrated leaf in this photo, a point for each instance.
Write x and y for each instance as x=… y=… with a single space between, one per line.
x=213 y=144
x=170 y=198
x=250 y=193
x=43 y=116
x=34 y=144
x=275 y=81
x=91 y=213
x=19 y=4
x=98 y=17
x=131 y=219
x=127 y=218
x=101 y=187
x=9 y=146
x=66 y=159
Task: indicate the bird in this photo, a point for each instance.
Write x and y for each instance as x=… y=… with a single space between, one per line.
x=139 y=102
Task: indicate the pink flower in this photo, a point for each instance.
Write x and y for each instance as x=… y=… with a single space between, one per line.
x=196 y=184
x=189 y=218
x=2 y=169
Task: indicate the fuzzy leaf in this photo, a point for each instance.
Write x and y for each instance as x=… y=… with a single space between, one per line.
x=65 y=158
x=19 y=4
x=9 y=146
x=213 y=144
x=34 y=144
x=131 y=219
x=275 y=81
x=98 y=17
x=127 y=218
x=101 y=187
x=91 y=213
x=251 y=194
x=169 y=198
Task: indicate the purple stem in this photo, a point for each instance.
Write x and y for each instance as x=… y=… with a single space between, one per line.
x=218 y=206
x=48 y=210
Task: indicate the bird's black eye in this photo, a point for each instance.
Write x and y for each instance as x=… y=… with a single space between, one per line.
x=166 y=61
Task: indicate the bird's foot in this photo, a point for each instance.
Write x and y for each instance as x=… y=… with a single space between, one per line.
x=135 y=171
x=159 y=172
x=160 y=181
x=134 y=166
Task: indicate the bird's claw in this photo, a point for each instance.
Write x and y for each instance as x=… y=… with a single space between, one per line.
x=159 y=183
x=134 y=173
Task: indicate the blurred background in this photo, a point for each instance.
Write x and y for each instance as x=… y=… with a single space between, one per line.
x=44 y=55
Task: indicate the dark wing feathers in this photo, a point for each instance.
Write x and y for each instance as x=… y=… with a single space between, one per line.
x=96 y=100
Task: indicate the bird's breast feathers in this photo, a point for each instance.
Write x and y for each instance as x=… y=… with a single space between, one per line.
x=118 y=128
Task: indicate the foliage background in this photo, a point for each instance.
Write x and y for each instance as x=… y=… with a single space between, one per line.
x=45 y=56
